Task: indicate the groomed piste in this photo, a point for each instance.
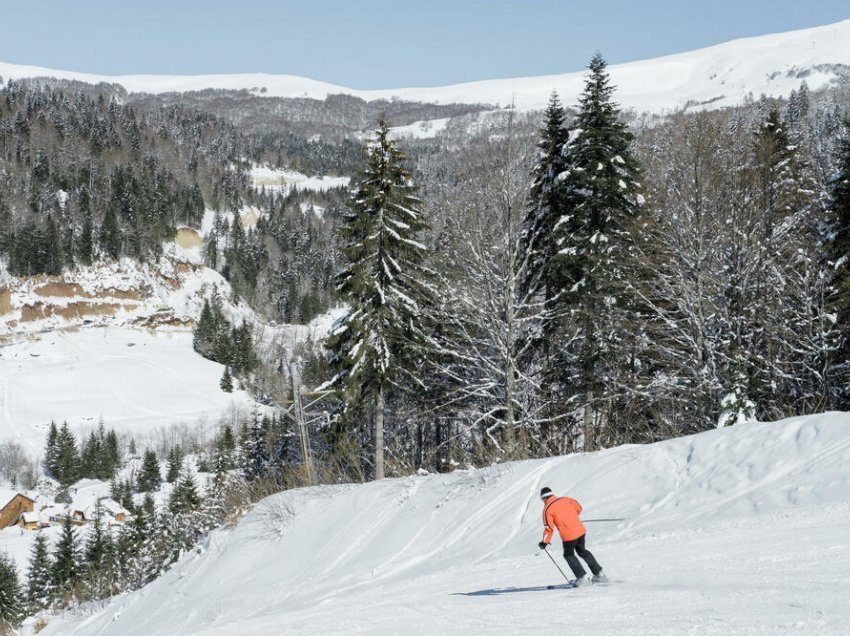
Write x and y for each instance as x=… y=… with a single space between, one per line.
x=740 y=530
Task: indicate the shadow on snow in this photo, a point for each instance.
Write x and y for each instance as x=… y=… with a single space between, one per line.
x=497 y=591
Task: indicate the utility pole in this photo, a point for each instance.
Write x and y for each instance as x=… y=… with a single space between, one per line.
x=298 y=413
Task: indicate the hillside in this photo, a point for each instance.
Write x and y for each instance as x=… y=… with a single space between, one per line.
x=734 y=531
x=114 y=341
x=720 y=75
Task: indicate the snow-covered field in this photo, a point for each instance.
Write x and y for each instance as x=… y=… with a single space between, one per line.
x=280 y=180
x=136 y=380
x=741 y=530
x=720 y=75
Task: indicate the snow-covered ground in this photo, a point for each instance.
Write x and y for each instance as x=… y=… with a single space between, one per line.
x=283 y=180
x=136 y=380
x=720 y=75
x=419 y=129
x=740 y=530
x=63 y=358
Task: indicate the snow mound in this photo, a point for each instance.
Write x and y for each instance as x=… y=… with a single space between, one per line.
x=739 y=530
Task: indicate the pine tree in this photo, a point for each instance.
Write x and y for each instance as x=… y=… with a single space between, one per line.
x=594 y=247
x=226 y=383
x=67 y=458
x=11 y=601
x=256 y=452
x=110 y=234
x=175 y=464
x=149 y=475
x=386 y=285
x=95 y=547
x=39 y=580
x=121 y=490
x=544 y=274
x=54 y=257
x=51 y=452
x=66 y=561
x=110 y=455
x=86 y=243
x=184 y=497
x=99 y=567
x=204 y=333
x=547 y=205
x=90 y=457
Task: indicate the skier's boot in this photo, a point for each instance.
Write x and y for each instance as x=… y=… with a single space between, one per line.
x=599 y=578
x=580 y=581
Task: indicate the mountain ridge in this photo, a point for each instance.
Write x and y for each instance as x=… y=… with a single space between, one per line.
x=720 y=75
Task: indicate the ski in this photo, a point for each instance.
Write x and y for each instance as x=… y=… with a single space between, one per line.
x=562 y=586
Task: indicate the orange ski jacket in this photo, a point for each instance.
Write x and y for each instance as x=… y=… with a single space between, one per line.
x=562 y=513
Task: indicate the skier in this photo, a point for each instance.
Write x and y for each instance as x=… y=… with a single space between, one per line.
x=562 y=513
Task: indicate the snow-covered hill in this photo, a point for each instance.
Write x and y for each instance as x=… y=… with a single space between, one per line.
x=113 y=341
x=720 y=75
x=736 y=531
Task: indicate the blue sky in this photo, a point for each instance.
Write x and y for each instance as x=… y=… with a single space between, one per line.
x=380 y=43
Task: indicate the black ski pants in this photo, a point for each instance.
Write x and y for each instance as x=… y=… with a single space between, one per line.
x=576 y=546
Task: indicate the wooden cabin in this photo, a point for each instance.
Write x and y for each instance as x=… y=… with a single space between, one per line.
x=29 y=521
x=12 y=505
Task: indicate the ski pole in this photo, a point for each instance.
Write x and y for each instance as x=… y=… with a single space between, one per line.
x=556 y=565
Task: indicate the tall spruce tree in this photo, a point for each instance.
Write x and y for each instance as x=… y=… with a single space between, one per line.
x=594 y=240
x=386 y=285
x=149 y=475
x=256 y=451
x=11 y=601
x=175 y=464
x=66 y=558
x=545 y=276
x=90 y=456
x=98 y=542
x=68 y=457
x=39 y=581
x=110 y=455
x=86 y=243
x=51 y=452
x=547 y=204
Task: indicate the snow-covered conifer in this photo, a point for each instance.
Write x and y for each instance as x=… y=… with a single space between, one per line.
x=386 y=285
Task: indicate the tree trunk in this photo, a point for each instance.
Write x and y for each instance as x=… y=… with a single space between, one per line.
x=379 y=435
x=588 y=420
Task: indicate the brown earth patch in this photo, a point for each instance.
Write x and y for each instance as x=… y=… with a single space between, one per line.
x=249 y=219
x=171 y=282
x=5 y=301
x=62 y=289
x=164 y=320
x=185 y=267
x=39 y=311
x=188 y=238
x=123 y=294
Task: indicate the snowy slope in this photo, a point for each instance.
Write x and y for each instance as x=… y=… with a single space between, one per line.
x=135 y=379
x=114 y=341
x=736 y=531
x=720 y=75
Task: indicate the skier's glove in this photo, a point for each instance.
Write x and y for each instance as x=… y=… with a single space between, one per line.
x=542 y=545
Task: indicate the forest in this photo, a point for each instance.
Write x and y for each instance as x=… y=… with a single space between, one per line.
x=522 y=284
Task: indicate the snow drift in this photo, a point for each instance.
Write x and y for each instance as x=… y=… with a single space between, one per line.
x=720 y=75
x=739 y=530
